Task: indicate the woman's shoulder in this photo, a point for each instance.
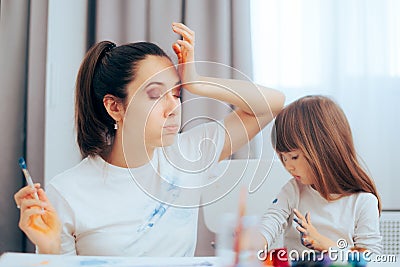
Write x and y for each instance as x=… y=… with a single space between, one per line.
x=74 y=173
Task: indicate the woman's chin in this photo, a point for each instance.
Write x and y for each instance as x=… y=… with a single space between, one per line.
x=167 y=140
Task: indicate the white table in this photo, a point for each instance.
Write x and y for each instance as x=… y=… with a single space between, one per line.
x=41 y=260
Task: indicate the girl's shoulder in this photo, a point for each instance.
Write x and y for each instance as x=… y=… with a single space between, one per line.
x=361 y=201
x=365 y=198
x=293 y=187
x=293 y=184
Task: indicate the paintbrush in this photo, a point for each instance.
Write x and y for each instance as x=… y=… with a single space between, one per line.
x=239 y=225
x=28 y=177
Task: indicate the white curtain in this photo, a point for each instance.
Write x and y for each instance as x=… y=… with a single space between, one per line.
x=349 y=50
x=23 y=30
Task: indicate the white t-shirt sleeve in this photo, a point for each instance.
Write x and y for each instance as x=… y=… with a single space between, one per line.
x=276 y=219
x=366 y=233
x=67 y=218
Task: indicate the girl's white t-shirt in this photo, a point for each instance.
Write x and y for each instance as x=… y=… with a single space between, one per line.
x=151 y=210
x=353 y=218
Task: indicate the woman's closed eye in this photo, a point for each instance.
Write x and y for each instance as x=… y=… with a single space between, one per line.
x=154 y=93
x=177 y=92
x=295 y=157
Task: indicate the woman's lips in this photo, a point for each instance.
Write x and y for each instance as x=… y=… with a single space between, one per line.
x=171 y=128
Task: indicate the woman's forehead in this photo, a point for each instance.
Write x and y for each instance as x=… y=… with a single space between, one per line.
x=155 y=69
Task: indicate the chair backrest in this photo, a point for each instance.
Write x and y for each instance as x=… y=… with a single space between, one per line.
x=263 y=180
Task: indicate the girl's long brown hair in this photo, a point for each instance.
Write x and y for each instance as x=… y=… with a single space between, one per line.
x=318 y=127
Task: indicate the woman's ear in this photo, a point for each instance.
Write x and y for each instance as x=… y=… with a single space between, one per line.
x=114 y=107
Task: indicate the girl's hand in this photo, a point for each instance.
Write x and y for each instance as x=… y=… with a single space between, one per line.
x=309 y=235
x=184 y=50
x=38 y=219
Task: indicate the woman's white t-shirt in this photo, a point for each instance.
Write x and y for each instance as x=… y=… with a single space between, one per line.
x=151 y=210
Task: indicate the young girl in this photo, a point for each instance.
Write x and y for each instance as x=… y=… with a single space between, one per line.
x=341 y=204
x=136 y=191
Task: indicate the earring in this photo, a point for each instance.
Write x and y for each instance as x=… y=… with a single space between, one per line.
x=116 y=125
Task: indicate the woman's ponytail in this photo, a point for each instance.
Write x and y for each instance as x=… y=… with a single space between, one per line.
x=91 y=118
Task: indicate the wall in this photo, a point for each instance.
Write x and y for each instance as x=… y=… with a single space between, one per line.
x=66 y=36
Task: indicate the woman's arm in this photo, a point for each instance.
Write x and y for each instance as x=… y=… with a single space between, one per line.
x=254 y=100
x=39 y=220
x=256 y=105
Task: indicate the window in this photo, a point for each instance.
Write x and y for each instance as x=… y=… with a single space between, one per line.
x=347 y=49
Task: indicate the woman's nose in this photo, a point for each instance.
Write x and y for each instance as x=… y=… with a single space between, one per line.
x=171 y=104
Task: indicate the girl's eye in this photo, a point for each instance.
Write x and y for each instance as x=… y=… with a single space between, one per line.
x=295 y=157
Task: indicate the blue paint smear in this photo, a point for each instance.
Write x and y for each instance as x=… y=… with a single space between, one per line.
x=98 y=262
x=205 y=263
x=161 y=209
x=93 y=262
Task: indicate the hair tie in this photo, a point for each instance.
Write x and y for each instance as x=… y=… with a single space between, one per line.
x=110 y=47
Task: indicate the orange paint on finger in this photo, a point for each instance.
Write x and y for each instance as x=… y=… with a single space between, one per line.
x=178 y=52
x=42 y=263
x=359 y=249
x=176 y=48
x=44 y=223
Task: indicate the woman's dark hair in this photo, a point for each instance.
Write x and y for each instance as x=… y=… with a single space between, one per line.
x=319 y=128
x=106 y=69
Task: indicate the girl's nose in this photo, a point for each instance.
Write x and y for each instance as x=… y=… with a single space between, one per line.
x=290 y=168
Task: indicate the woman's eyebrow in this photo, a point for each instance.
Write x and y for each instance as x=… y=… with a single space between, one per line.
x=156 y=83
x=161 y=83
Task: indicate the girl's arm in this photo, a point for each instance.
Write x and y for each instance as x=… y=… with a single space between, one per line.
x=279 y=215
x=367 y=234
x=256 y=105
x=311 y=238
